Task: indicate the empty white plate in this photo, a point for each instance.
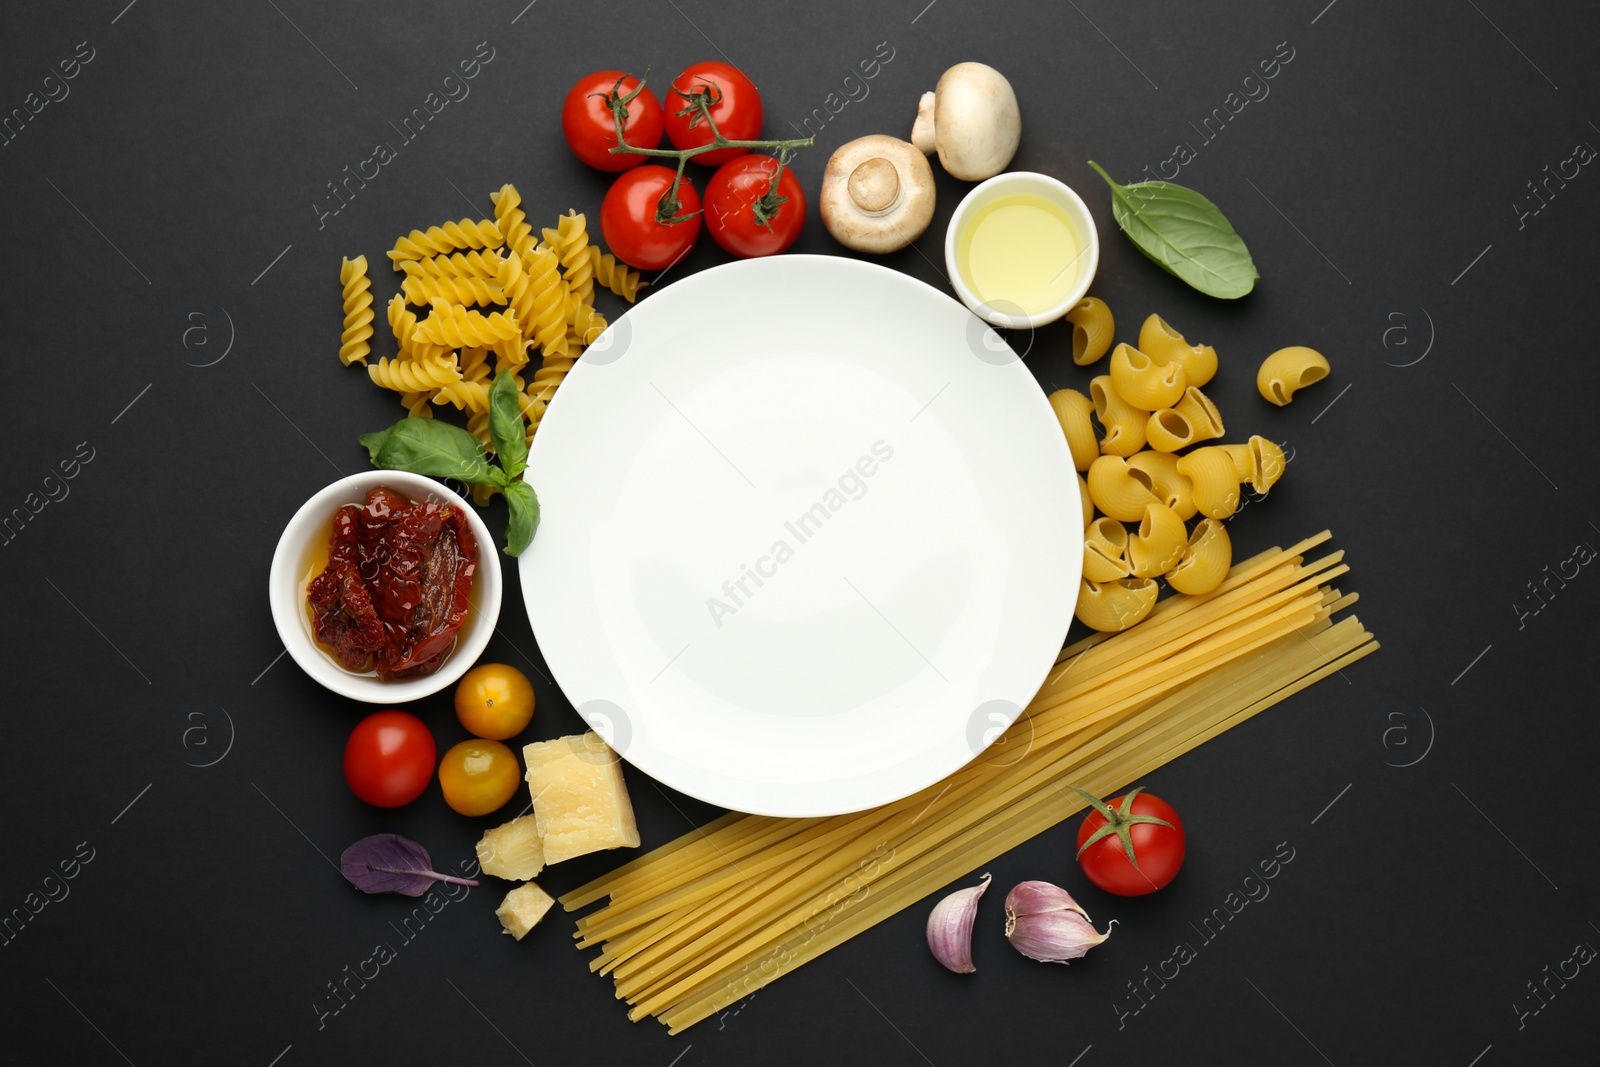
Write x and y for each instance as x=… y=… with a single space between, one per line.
x=811 y=536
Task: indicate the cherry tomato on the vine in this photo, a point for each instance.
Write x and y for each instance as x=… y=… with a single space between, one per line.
x=590 y=128
x=388 y=760
x=748 y=213
x=630 y=218
x=732 y=99
x=478 y=777
x=494 y=701
x=1147 y=824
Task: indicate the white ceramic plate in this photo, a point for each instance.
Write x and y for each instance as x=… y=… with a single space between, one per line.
x=811 y=536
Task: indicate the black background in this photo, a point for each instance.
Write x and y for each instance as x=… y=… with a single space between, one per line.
x=1436 y=798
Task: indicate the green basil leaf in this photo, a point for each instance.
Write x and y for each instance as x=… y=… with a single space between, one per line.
x=506 y=428
x=524 y=505
x=1184 y=234
x=426 y=446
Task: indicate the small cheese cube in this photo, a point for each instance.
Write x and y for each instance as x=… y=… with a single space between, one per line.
x=580 y=802
x=512 y=851
x=522 y=909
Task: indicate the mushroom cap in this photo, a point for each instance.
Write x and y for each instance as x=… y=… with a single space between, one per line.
x=976 y=122
x=877 y=194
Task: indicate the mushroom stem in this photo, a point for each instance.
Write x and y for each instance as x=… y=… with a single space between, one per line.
x=875 y=187
x=922 y=131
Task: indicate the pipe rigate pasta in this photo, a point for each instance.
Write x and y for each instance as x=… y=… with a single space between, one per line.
x=1163 y=344
x=415 y=375
x=1205 y=561
x=1260 y=462
x=1204 y=420
x=1168 y=431
x=1092 y=330
x=1084 y=499
x=1116 y=492
x=1216 y=486
x=447 y=237
x=1287 y=371
x=1158 y=471
x=353 y=346
x=1124 y=423
x=1105 y=546
x=422 y=290
x=1072 y=410
x=1111 y=607
x=1157 y=545
x=1143 y=382
x=615 y=275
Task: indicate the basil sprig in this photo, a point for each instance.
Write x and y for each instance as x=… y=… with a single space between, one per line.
x=440 y=450
x=1184 y=234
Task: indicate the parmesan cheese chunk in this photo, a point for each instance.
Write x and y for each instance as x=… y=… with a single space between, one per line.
x=522 y=909
x=512 y=851
x=580 y=802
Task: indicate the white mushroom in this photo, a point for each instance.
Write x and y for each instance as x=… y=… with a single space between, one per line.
x=972 y=120
x=877 y=194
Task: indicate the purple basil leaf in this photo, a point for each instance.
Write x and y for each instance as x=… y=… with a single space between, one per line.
x=389 y=863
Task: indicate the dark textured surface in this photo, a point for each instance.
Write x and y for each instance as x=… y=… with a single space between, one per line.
x=1435 y=798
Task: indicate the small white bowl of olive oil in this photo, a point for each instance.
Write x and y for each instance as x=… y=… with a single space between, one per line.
x=1021 y=249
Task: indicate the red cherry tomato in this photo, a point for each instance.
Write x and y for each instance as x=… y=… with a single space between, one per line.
x=389 y=759
x=1158 y=848
x=630 y=218
x=750 y=216
x=591 y=130
x=734 y=103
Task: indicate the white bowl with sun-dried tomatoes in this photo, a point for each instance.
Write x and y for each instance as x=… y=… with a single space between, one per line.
x=385 y=586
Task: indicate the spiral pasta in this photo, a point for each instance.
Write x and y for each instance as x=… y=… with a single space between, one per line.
x=547 y=297
x=415 y=375
x=1124 y=424
x=353 y=346
x=1105 y=546
x=460 y=327
x=1287 y=371
x=1111 y=607
x=417 y=404
x=1163 y=344
x=1092 y=330
x=1072 y=410
x=403 y=321
x=1205 y=560
x=512 y=220
x=423 y=290
x=447 y=237
x=585 y=325
x=463 y=396
x=457 y=265
x=1143 y=382
x=571 y=246
x=1216 y=485
x=615 y=275
x=1158 y=544
x=1117 y=493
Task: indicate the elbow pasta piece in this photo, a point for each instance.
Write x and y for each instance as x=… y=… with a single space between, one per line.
x=1083 y=498
x=511 y=219
x=459 y=327
x=571 y=245
x=1105 y=547
x=1163 y=344
x=1287 y=371
x=1158 y=471
x=548 y=299
x=459 y=265
x=615 y=275
x=1205 y=560
x=448 y=237
x=1072 y=410
x=415 y=375
x=1117 y=493
x=1216 y=485
x=1092 y=330
x=1156 y=547
x=1143 y=382
x=423 y=290
x=1111 y=607
x=353 y=344
x=1124 y=423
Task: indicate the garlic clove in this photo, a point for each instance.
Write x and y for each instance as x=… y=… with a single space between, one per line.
x=950 y=927
x=1044 y=923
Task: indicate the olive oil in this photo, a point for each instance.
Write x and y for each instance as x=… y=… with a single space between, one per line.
x=1020 y=251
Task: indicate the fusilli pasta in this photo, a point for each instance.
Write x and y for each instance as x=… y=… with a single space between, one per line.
x=353 y=346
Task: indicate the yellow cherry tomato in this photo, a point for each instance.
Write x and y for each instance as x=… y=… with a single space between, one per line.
x=494 y=701
x=479 y=776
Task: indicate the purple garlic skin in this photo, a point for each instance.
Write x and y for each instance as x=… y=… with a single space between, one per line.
x=950 y=927
x=1044 y=923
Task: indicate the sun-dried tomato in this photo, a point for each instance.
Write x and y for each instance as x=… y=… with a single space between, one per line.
x=397 y=585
